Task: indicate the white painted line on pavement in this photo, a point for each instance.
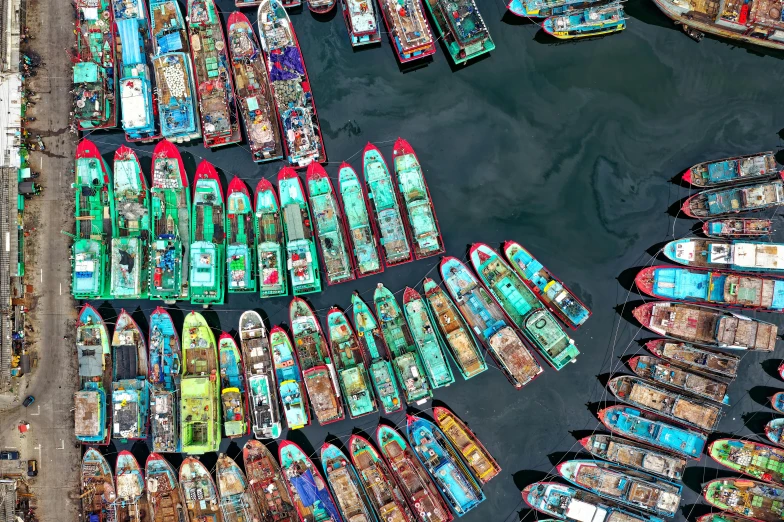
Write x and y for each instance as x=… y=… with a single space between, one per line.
x=42 y=275
x=61 y=289
x=41 y=163
x=39 y=411
x=39 y=452
x=62 y=444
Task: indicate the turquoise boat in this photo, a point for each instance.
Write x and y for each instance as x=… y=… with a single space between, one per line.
x=240 y=252
x=301 y=257
x=234 y=398
x=91 y=415
x=208 y=238
x=130 y=388
x=654 y=430
x=727 y=201
x=546 y=8
x=289 y=379
x=430 y=344
x=425 y=233
x=523 y=308
x=308 y=489
x=461 y=27
x=350 y=365
x=405 y=359
x=164 y=374
x=595 y=20
x=550 y=290
x=458 y=486
x=372 y=341
x=774 y=430
x=131 y=500
x=269 y=242
x=734 y=170
x=351 y=498
x=362 y=234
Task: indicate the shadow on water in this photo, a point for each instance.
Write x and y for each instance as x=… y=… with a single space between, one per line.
x=679 y=181
x=676 y=209
x=625 y=311
x=648 y=13
x=762 y=394
x=109 y=315
x=234 y=450
x=525 y=477
x=693 y=511
x=326 y=17
x=604 y=378
x=771 y=367
x=581 y=434
x=655 y=251
x=141 y=319
x=299 y=438
x=414 y=65
x=694 y=477
x=626 y=278
x=756 y=420
x=457 y=67
x=596 y=407
x=510 y=18
x=557 y=457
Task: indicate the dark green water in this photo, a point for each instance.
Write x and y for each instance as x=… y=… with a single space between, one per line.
x=569 y=149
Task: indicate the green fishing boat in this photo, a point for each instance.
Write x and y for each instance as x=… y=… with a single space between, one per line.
x=459 y=337
x=240 y=254
x=461 y=27
x=372 y=342
x=200 y=421
x=362 y=234
x=207 y=237
x=384 y=202
x=523 y=308
x=170 y=199
x=329 y=226
x=748 y=498
x=94 y=198
x=269 y=242
x=301 y=258
x=132 y=229
x=425 y=234
x=759 y=461
x=406 y=362
x=234 y=404
x=432 y=348
x=350 y=364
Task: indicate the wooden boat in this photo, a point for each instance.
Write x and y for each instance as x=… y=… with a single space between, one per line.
x=361 y=21
x=131 y=504
x=707 y=326
x=351 y=499
x=97 y=487
x=748 y=498
x=736 y=169
x=705 y=386
x=237 y=501
x=269 y=242
x=759 y=461
x=482 y=464
x=726 y=201
x=290 y=385
x=737 y=228
x=199 y=491
x=408 y=29
x=430 y=345
x=689 y=356
x=595 y=20
x=266 y=483
x=362 y=232
x=630 y=454
x=240 y=239
x=720 y=517
x=234 y=398
x=307 y=488
x=130 y=389
x=163 y=492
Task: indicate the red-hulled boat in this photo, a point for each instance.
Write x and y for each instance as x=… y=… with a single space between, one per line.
x=737 y=228
x=321 y=6
x=408 y=29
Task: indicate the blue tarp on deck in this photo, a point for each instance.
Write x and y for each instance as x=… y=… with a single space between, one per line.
x=130 y=37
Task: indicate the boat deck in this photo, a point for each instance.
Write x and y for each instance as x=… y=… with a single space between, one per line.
x=164 y=421
x=636 y=457
x=690 y=382
x=378 y=487
x=626 y=488
x=410 y=24
x=739 y=198
x=514 y=356
x=717 y=362
x=671 y=404
x=325 y=403
x=88 y=414
x=330 y=233
x=347 y=494
x=754 y=335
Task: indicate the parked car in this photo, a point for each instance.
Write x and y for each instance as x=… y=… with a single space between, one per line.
x=9 y=455
x=28 y=401
x=32 y=468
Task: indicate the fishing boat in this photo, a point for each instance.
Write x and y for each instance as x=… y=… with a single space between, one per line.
x=737 y=228
x=315 y=360
x=94 y=208
x=695 y=357
x=361 y=22
x=725 y=201
x=384 y=494
x=385 y=204
x=744 y=256
x=574 y=504
x=131 y=503
x=350 y=365
x=352 y=501
x=214 y=86
x=254 y=94
x=129 y=275
x=94 y=66
x=713 y=287
x=97 y=487
x=307 y=488
x=321 y=6
x=430 y=345
x=165 y=367
x=759 y=461
x=134 y=52
x=523 y=307
x=259 y=377
x=198 y=488
x=164 y=497
x=269 y=242
x=459 y=337
x=632 y=488
x=633 y=455
x=652 y=429
x=289 y=378
x=672 y=376
x=208 y=238
x=234 y=401
x=684 y=409
x=240 y=258
x=549 y=289
x=372 y=341
x=482 y=464
x=237 y=501
x=130 y=391
x=174 y=79
x=409 y=32
x=330 y=226
x=200 y=420
x=462 y=29
x=301 y=258
x=93 y=351
x=362 y=231
x=720 y=517
x=290 y=85
x=443 y=462
x=170 y=207
x=737 y=169
x=489 y=323
x=777 y=402
x=596 y=20
x=748 y=498
x=402 y=347
x=774 y=430
x=414 y=480
x=266 y=483
x=707 y=326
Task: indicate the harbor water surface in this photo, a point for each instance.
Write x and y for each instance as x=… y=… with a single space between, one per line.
x=569 y=149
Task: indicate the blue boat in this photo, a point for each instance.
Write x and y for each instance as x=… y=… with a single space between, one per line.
x=726 y=201
x=90 y=407
x=733 y=170
x=289 y=378
x=308 y=489
x=591 y=21
x=458 y=486
x=132 y=28
x=130 y=389
x=342 y=477
x=546 y=8
x=744 y=256
x=652 y=429
x=774 y=430
x=177 y=103
x=164 y=375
